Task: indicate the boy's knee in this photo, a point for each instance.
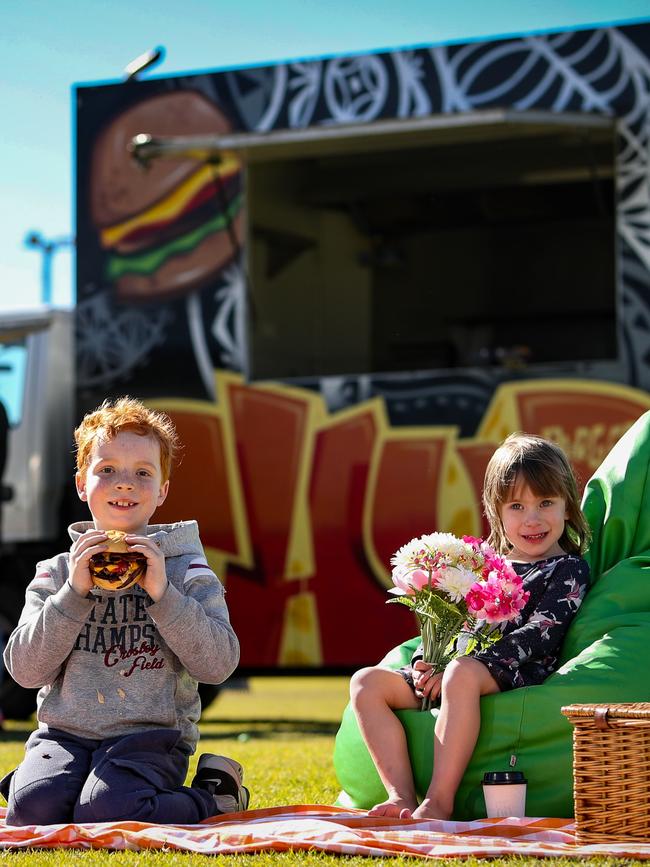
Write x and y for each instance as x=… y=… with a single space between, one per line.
x=97 y=809
x=39 y=802
x=101 y=803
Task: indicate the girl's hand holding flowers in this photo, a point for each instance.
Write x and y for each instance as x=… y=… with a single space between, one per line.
x=426 y=681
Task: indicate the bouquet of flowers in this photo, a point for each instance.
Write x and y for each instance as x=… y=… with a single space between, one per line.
x=455 y=587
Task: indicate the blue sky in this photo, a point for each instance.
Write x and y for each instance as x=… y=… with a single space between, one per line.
x=48 y=45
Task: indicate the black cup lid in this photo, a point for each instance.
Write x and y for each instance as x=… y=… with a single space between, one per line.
x=502 y=778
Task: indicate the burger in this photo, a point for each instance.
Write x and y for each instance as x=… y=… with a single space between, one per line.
x=171 y=227
x=117 y=568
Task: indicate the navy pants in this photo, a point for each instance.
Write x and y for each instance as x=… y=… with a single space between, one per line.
x=64 y=778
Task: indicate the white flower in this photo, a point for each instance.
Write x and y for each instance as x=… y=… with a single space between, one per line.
x=455 y=582
x=451 y=549
x=406 y=557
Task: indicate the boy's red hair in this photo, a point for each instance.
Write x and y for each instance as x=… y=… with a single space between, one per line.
x=126 y=414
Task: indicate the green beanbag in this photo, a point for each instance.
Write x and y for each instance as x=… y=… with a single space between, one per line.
x=603 y=660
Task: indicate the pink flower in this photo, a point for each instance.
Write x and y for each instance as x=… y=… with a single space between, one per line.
x=426 y=559
x=409 y=582
x=497 y=598
x=476 y=598
x=419 y=579
x=494 y=562
x=400 y=577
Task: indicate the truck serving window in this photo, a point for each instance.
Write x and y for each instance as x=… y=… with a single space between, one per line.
x=479 y=244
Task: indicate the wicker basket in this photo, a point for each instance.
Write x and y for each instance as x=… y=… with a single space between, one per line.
x=611 y=771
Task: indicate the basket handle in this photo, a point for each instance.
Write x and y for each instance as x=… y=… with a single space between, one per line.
x=600 y=718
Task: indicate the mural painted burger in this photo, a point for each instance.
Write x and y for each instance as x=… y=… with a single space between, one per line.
x=117 y=568
x=169 y=227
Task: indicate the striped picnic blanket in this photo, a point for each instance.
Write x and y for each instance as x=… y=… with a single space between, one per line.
x=328 y=829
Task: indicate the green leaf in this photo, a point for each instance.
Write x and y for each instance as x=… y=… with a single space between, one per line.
x=409 y=601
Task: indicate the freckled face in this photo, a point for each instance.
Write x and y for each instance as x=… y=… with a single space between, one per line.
x=123 y=482
x=533 y=525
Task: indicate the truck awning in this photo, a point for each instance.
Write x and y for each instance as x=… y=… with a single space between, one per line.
x=317 y=141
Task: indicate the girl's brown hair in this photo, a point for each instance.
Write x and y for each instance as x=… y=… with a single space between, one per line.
x=543 y=466
x=126 y=414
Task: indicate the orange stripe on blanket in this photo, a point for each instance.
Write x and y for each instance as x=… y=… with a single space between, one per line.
x=327 y=829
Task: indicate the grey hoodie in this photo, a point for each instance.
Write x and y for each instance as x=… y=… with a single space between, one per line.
x=114 y=663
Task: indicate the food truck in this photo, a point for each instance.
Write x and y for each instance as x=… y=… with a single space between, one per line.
x=346 y=279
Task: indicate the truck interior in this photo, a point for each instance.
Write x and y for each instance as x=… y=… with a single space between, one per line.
x=432 y=243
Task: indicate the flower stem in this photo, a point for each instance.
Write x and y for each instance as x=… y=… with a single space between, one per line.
x=437 y=636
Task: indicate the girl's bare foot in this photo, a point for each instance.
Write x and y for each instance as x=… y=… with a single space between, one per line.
x=432 y=808
x=392 y=808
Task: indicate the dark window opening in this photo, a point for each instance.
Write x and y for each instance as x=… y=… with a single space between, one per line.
x=444 y=255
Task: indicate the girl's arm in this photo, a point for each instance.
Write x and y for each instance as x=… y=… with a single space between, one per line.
x=543 y=632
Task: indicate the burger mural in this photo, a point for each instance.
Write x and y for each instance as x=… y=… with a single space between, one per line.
x=169 y=229
x=158 y=243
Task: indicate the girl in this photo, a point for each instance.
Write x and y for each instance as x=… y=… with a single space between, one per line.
x=531 y=501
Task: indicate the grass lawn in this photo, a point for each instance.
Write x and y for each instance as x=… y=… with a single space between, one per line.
x=282 y=731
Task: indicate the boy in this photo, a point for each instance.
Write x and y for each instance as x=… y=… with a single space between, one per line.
x=118 y=670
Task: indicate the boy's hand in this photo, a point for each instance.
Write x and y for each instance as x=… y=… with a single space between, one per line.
x=89 y=543
x=154 y=581
x=426 y=683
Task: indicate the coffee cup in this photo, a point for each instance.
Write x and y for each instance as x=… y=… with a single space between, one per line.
x=504 y=793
